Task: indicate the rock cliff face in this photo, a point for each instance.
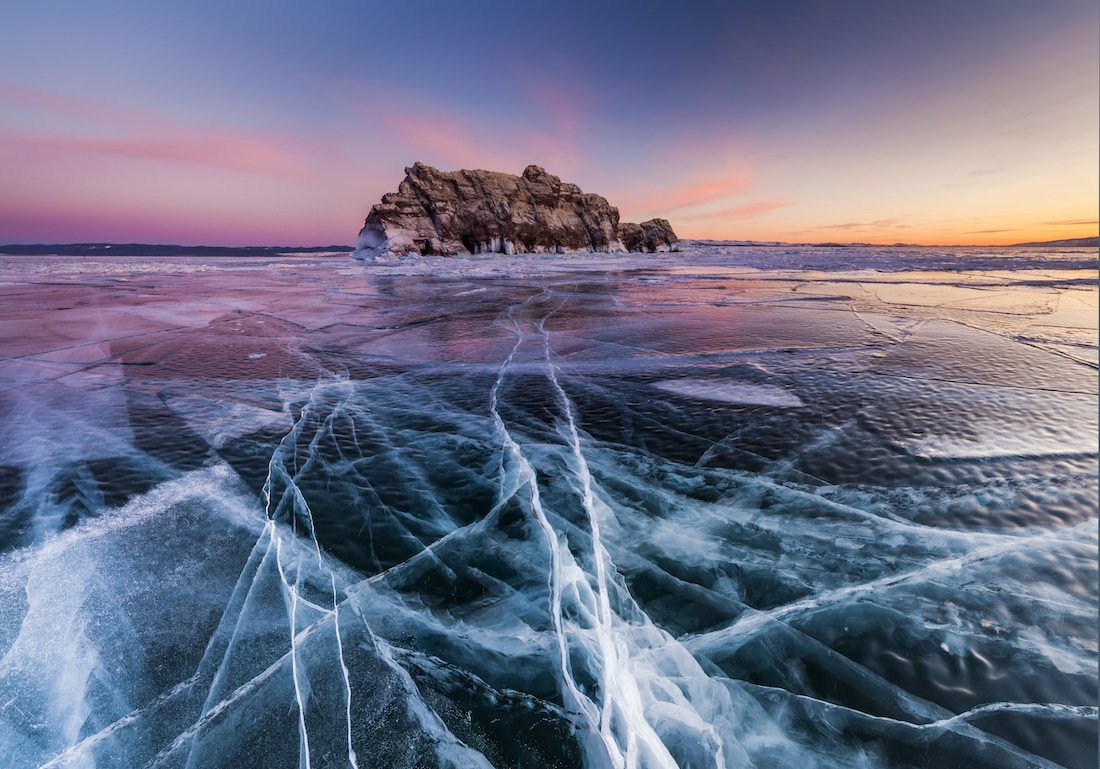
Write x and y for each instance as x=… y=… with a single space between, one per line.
x=452 y=212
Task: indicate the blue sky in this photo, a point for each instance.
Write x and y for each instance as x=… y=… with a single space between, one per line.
x=281 y=122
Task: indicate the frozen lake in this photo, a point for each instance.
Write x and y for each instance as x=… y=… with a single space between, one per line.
x=730 y=507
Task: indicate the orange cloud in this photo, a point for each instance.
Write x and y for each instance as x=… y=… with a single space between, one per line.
x=744 y=211
x=877 y=224
x=437 y=137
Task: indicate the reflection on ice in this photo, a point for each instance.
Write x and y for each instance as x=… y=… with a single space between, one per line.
x=991 y=445
x=732 y=392
x=608 y=514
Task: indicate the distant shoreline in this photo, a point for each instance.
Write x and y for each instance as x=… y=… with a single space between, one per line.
x=154 y=249
x=1090 y=242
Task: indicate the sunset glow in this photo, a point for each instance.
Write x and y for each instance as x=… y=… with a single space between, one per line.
x=922 y=123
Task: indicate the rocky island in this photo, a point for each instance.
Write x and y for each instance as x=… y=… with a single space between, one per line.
x=444 y=213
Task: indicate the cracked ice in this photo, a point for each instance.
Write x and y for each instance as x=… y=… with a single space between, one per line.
x=722 y=508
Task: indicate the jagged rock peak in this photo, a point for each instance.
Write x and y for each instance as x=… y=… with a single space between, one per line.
x=444 y=213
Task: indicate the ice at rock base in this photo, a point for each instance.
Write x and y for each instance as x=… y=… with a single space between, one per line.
x=473 y=513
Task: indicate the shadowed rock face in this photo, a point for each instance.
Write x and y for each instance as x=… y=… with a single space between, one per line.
x=653 y=235
x=451 y=212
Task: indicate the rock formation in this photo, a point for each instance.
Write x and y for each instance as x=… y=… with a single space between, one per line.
x=653 y=235
x=452 y=212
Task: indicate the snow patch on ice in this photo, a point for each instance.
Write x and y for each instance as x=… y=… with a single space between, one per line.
x=740 y=393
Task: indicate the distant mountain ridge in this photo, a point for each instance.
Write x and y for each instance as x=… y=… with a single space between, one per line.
x=155 y=249
x=1093 y=242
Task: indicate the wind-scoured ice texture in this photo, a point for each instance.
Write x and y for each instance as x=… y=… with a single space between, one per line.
x=671 y=512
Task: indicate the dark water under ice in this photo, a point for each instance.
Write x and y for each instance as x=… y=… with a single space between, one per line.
x=698 y=510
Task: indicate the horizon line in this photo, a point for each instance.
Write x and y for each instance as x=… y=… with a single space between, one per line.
x=728 y=241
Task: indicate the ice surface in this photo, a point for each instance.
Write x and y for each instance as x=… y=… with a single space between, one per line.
x=723 y=508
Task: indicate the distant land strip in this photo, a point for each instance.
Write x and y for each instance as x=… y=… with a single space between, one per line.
x=150 y=249
x=154 y=249
x=1089 y=242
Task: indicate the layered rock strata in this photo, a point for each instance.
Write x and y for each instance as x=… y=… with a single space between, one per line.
x=454 y=212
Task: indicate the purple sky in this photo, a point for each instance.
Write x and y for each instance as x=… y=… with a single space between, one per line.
x=281 y=123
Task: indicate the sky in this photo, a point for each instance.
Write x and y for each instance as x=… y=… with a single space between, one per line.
x=281 y=123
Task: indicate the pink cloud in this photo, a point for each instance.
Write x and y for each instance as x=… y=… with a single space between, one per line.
x=84 y=126
x=449 y=142
x=743 y=211
x=231 y=151
x=80 y=111
x=78 y=169
x=38 y=101
x=552 y=91
x=66 y=222
x=559 y=103
x=560 y=156
x=696 y=192
x=452 y=141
